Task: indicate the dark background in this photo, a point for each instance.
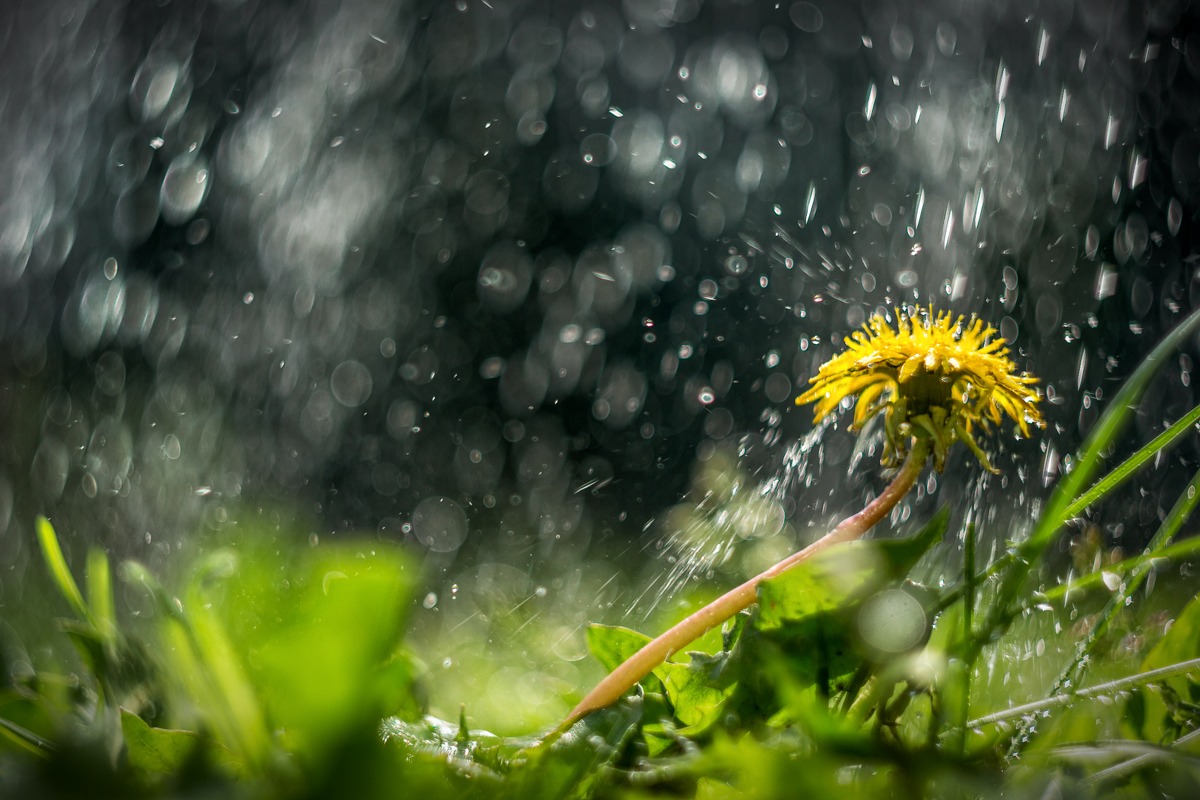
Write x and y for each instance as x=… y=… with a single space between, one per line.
x=527 y=262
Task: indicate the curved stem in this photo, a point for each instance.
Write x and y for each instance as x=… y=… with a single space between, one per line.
x=655 y=652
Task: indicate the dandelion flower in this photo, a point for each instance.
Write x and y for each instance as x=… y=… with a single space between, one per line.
x=938 y=378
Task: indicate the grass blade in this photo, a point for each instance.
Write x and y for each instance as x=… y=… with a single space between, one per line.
x=24 y=738
x=100 y=593
x=1137 y=565
x=1126 y=768
x=56 y=564
x=1110 y=687
x=1132 y=464
x=1108 y=427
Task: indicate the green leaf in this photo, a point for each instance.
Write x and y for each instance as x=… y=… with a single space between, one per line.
x=696 y=690
x=1181 y=642
x=576 y=764
x=1161 y=705
x=99 y=592
x=157 y=751
x=314 y=645
x=842 y=575
x=612 y=645
x=56 y=563
x=711 y=789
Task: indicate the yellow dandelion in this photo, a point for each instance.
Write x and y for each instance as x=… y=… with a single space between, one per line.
x=938 y=378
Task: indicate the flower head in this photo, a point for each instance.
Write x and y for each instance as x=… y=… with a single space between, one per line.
x=934 y=377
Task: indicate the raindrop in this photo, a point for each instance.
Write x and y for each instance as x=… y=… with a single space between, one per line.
x=440 y=524
x=487 y=192
x=153 y=86
x=351 y=383
x=134 y=216
x=197 y=231
x=807 y=17
x=1174 y=216
x=491 y=368
x=505 y=275
x=110 y=374
x=810 y=203
x=51 y=464
x=598 y=150
x=778 y=387
x=183 y=189
x=735 y=265
x=892 y=621
x=1106 y=282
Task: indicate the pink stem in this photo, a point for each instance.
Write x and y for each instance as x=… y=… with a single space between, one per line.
x=655 y=652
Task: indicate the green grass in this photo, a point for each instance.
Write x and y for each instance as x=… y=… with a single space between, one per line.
x=289 y=673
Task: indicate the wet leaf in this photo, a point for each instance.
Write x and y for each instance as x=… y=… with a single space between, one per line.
x=157 y=751
x=1171 y=707
x=613 y=644
x=697 y=690
x=842 y=575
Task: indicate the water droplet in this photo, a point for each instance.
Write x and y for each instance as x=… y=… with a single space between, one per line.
x=807 y=17
x=184 y=187
x=734 y=265
x=440 y=524
x=351 y=384
x=1174 y=216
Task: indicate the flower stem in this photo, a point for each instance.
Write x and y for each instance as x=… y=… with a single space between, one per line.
x=655 y=652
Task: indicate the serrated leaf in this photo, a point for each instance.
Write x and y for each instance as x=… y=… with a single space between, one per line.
x=612 y=644
x=158 y=751
x=696 y=690
x=1181 y=642
x=842 y=575
x=712 y=789
x=1161 y=709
